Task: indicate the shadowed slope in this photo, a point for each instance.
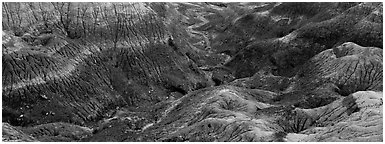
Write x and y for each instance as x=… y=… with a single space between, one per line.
x=96 y=56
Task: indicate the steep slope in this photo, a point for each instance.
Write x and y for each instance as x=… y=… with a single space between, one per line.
x=75 y=61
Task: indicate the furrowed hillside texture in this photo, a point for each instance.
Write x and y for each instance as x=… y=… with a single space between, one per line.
x=204 y=72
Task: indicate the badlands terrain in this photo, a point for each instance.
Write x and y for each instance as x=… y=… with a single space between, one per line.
x=206 y=72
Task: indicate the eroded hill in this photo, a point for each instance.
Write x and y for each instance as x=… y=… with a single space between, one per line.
x=192 y=72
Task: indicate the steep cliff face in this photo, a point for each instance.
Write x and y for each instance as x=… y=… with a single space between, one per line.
x=192 y=72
